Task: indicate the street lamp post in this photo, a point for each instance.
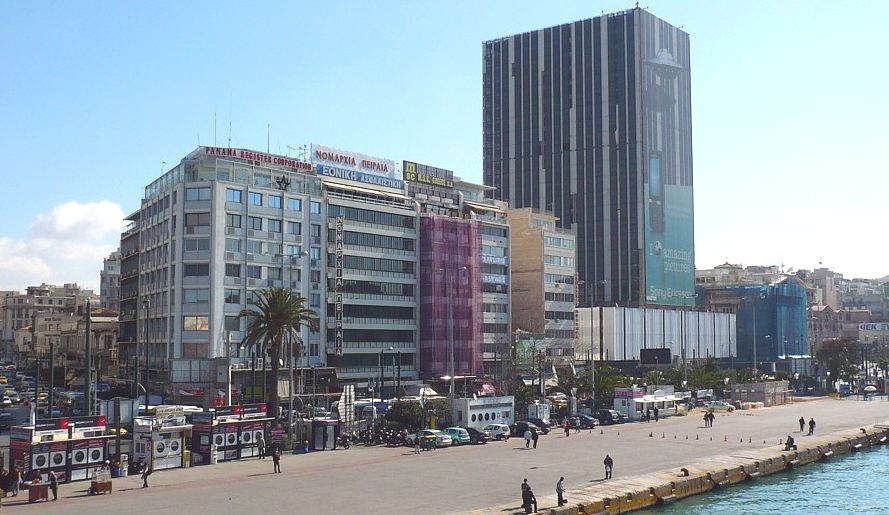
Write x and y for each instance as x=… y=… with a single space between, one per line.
x=88 y=363
x=52 y=374
x=146 y=303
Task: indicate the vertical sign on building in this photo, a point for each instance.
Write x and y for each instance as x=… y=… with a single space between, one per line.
x=338 y=285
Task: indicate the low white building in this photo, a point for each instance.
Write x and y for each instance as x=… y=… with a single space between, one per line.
x=478 y=412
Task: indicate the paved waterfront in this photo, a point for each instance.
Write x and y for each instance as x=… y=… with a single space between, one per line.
x=394 y=480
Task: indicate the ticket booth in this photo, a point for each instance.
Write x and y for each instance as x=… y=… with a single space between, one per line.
x=160 y=439
x=228 y=432
x=325 y=434
x=71 y=447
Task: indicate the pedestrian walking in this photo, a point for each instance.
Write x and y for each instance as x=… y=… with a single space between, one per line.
x=656 y=414
x=16 y=481
x=276 y=459
x=527 y=438
x=802 y=424
x=609 y=466
x=146 y=471
x=567 y=428
x=260 y=445
x=534 y=436
x=811 y=426
x=648 y=415
x=417 y=444
x=712 y=417
x=529 y=501
x=706 y=419
x=560 y=491
x=54 y=485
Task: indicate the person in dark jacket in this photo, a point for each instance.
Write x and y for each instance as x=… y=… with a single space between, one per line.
x=534 y=436
x=146 y=471
x=528 y=498
x=811 y=426
x=609 y=465
x=276 y=459
x=802 y=424
x=54 y=485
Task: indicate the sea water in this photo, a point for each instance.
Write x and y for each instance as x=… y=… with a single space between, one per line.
x=852 y=483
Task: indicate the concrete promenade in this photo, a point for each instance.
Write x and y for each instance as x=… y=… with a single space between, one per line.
x=481 y=479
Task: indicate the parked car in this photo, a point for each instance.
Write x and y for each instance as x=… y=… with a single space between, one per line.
x=498 y=431
x=13 y=396
x=544 y=427
x=6 y=420
x=584 y=421
x=610 y=416
x=477 y=436
x=459 y=436
x=441 y=439
x=519 y=428
x=719 y=406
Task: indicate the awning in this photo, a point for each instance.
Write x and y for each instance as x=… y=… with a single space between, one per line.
x=365 y=191
x=479 y=205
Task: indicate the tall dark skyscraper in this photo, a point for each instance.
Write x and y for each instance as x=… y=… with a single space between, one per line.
x=591 y=120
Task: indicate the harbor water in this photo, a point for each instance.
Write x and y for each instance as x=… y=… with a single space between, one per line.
x=853 y=483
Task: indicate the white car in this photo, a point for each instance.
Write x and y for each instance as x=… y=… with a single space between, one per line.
x=442 y=439
x=498 y=431
x=719 y=406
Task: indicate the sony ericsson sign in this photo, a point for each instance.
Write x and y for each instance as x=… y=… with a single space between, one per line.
x=368 y=179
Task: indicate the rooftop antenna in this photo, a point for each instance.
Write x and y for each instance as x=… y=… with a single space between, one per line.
x=229 y=121
x=214 y=128
x=163 y=164
x=268 y=132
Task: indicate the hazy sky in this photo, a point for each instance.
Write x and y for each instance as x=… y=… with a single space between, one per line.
x=98 y=98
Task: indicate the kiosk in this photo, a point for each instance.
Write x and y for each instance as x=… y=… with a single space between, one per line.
x=70 y=447
x=160 y=439
x=228 y=432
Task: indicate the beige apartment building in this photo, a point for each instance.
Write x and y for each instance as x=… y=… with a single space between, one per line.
x=543 y=279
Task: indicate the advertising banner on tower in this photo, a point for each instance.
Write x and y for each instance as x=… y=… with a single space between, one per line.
x=667 y=164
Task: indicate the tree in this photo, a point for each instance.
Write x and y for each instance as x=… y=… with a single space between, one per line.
x=276 y=318
x=839 y=357
x=406 y=413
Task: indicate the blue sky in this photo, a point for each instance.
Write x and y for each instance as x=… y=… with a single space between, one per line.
x=99 y=97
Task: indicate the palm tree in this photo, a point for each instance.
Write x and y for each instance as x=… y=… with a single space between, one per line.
x=277 y=314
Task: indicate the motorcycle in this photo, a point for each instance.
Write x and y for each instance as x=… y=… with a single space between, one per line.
x=343 y=441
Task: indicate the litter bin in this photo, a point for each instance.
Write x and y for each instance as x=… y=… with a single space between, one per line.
x=124 y=465
x=214 y=459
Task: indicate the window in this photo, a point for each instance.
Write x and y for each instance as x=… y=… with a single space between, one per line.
x=315 y=253
x=294 y=228
x=193 y=244
x=254 y=222
x=315 y=232
x=197 y=193
x=254 y=272
x=254 y=199
x=254 y=246
x=273 y=273
x=315 y=300
x=232 y=220
x=274 y=225
x=233 y=195
x=196 y=270
x=232 y=296
x=232 y=245
x=232 y=270
x=314 y=349
x=232 y=323
x=193 y=323
x=273 y=248
x=195 y=296
x=315 y=207
x=197 y=219
x=274 y=201
x=294 y=250
x=294 y=204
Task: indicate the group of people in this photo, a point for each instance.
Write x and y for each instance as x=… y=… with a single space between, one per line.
x=802 y=425
x=709 y=417
x=531 y=434
x=529 y=500
x=646 y=415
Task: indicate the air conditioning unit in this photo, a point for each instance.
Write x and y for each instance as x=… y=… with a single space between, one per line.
x=189 y=230
x=237 y=280
x=231 y=231
x=252 y=282
x=230 y=255
x=251 y=257
x=251 y=233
